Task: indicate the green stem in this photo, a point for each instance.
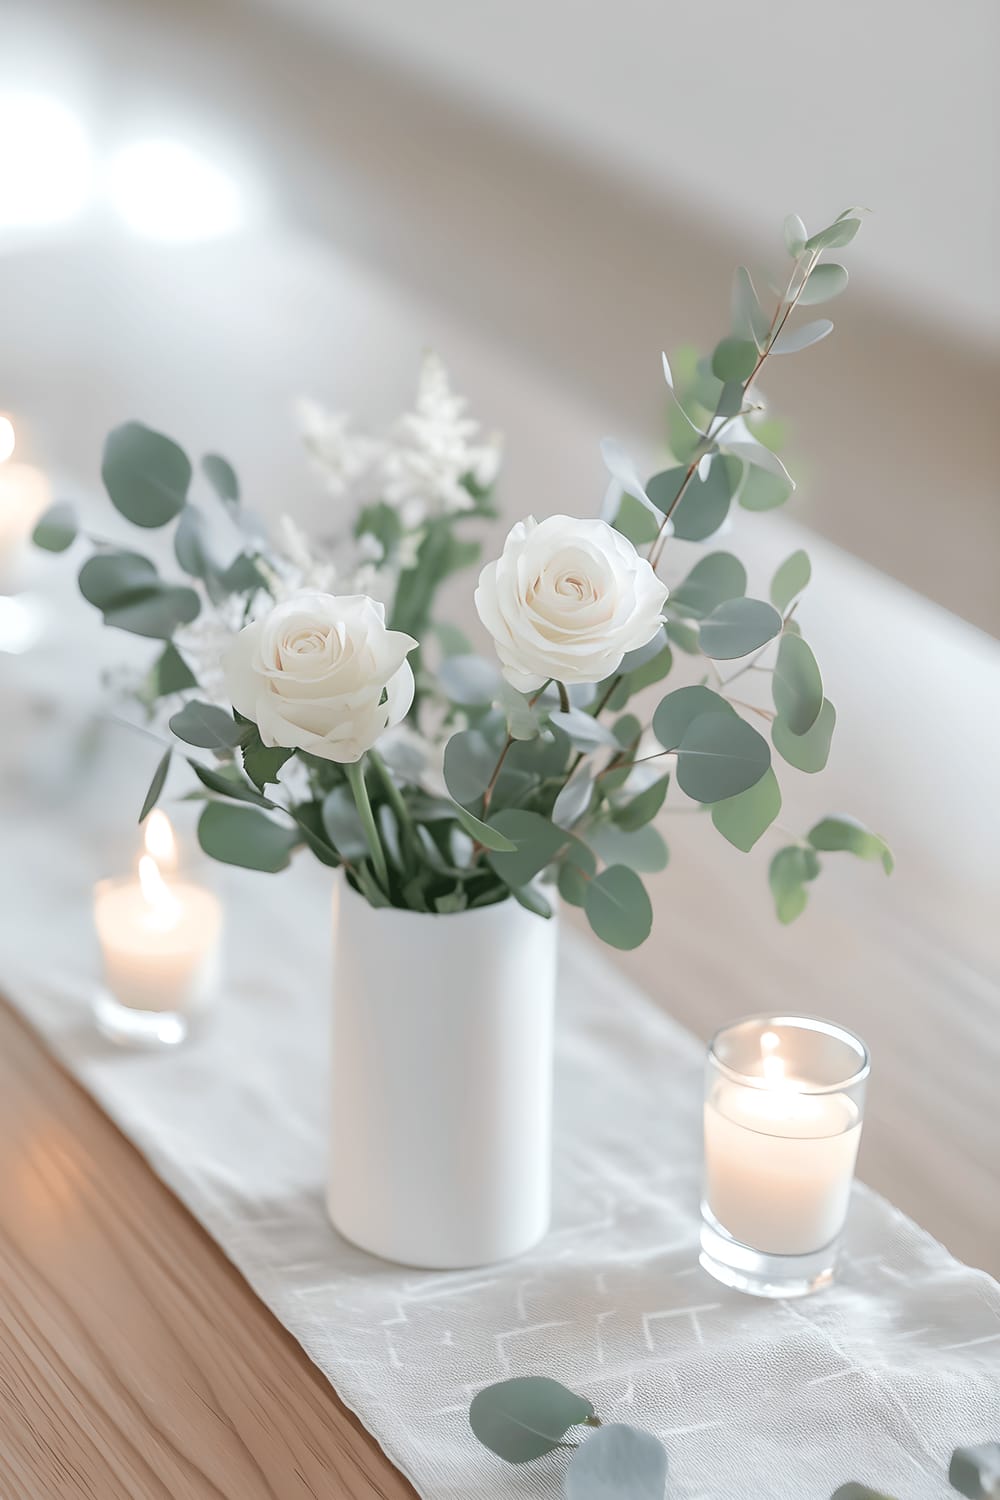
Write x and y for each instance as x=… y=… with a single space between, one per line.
x=563 y=697
x=356 y=781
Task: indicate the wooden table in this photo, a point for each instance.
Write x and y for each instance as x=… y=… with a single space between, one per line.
x=135 y=1362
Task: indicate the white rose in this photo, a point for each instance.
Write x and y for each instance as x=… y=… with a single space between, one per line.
x=322 y=674
x=566 y=600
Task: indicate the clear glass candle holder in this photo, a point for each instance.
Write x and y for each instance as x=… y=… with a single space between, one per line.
x=784 y=1105
x=160 y=950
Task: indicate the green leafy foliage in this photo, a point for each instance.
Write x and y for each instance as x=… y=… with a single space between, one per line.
x=146 y=475
x=527 y=1417
x=824 y=283
x=171 y=673
x=643 y=807
x=705 y=503
x=237 y=835
x=222 y=477
x=617 y=1463
x=536 y=842
x=483 y=833
x=127 y=590
x=797 y=685
x=790 y=579
x=469 y=762
x=207 y=726
x=712 y=580
x=262 y=762
x=57 y=528
x=156 y=786
x=837 y=235
x=618 y=908
x=762 y=490
x=738 y=626
x=794 y=340
x=843 y=833
x=975 y=1471
x=228 y=783
x=678 y=710
x=748 y=317
x=810 y=751
x=636 y=521
x=791 y=870
x=744 y=818
x=720 y=756
x=734 y=359
x=642 y=849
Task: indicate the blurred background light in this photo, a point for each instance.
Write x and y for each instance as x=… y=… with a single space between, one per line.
x=165 y=190
x=46 y=165
x=8 y=438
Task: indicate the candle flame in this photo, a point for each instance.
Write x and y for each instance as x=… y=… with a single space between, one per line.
x=163 y=905
x=773 y=1066
x=160 y=841
x=8 y=438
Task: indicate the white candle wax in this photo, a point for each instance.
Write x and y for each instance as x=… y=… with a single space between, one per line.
x=159 y=938
x=779 y=1164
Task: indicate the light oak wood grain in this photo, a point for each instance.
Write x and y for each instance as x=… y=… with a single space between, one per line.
x=135 y=1363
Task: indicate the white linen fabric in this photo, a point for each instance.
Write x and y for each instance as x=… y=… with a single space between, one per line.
x=877 y=1379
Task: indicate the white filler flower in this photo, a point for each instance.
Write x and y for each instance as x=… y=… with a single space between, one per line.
x=322 y=674
x=566 y=600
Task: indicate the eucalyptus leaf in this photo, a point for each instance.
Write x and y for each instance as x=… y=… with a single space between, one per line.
x=653 y=670
x=191 y=546
x=469 y=763
x=490 y=838
x=762 y=490
x=642 y=808
x=536 y=842
x=621 y=467
x=584 y=731
x=790 y=579
x=146 y=475
x=207 y=726
x=309 y=820
x=790 y=871
x=523 y=721
x=527 y=1417
x=573 y=800
x=734 y=359
x=705 y=503
x=157 y=614
x=975 y=1471
x=683 y=636
x=797 y=685
x=617 y=1463
x=641 y=849
x=531 y=898
x=57 y=528
x=795 y=235
x=452 y=901
x=127 y=590
x=171 y=673
x=156 y=786
x=712 y=580
x=749 y=318
x=825 y=282
x=469 y=679
x=222 y=477
x=835 y=236
x=730 y=399
x=760 y=457
x=262 y=762
x=792 y=340
x=744 y=818
x=679 y=709
x=720 y=756
x=810 y=751
x=342 y=825
x=229 y=785
x=618 y=908
x=572 y=882
x=636 y=521
x=738 y=626
x=842 y=833
x=243 y=836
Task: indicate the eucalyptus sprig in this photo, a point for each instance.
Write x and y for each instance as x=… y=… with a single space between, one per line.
x=544 y=773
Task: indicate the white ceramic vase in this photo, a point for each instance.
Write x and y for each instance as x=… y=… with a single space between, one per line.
x=440 y=1153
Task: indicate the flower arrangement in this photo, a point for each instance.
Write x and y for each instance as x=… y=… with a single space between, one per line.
x=323 y=705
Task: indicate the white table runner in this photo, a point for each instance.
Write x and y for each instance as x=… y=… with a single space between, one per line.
x=877 y=1379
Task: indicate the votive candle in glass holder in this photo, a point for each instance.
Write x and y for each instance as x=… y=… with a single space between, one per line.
x=784 y=1104
x=159 y=940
